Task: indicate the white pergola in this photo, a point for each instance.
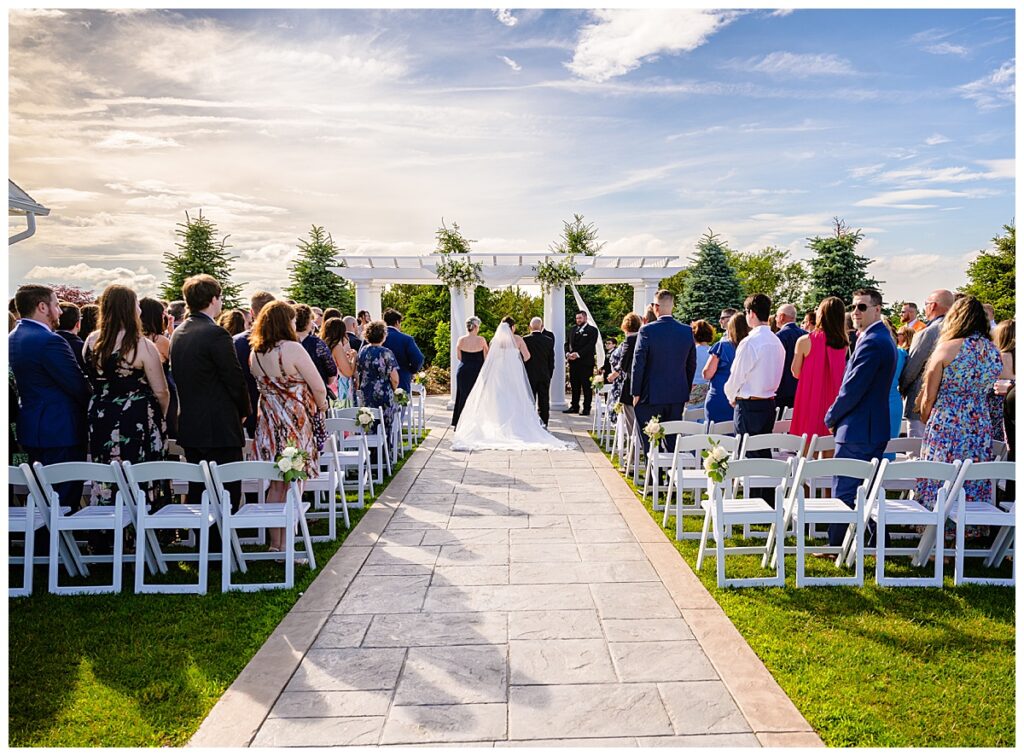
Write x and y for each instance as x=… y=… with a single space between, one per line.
x=371 y=273
x=19 y=203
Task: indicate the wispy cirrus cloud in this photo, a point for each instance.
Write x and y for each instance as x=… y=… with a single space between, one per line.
x=935 y=139
x=995 y=90
x=796 y=65
x=505 y=16
x=947 y=48
x=908 y=199
x=130 y=140
x=510 y=63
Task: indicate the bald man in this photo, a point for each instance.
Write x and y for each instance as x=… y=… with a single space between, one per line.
x=788 y=333
x=935 y=309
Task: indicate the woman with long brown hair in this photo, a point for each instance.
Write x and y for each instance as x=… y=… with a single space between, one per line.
x=293 y=397
x=819 y=361
x=232 y=321
x=335 y=336
x=130 y=395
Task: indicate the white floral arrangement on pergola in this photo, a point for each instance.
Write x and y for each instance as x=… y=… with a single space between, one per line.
x=462 y=275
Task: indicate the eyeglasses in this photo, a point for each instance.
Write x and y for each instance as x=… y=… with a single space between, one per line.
x=859 y=307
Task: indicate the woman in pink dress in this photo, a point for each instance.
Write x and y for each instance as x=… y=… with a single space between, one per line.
x=819 y=361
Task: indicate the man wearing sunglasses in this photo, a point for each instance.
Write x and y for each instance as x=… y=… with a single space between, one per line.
x=935 y=308
x=859 y=417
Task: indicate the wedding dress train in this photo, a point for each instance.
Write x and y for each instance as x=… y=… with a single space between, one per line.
x=499 y=413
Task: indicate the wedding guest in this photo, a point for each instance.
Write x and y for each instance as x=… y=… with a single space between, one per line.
x=909 y=318
x=756 y=373
x=52 y=390
x=718 y=368
x=257 y=302
x=154 y=317
x=1008 y=391
x=232 y=321
x=292 y=400
x=895 y=400
x=354 y=341
x=651 y=313
x=68 y=326
x=663 y=367
x=606 y=367
x=581 y=352
x=540 y=367
x=333 y=335
x=990 y=313
x=90 y=317
x=362 y=320
x=12 y=307
x=11 y=321
x=809 y=320
x=819 y=361
x=331 y=312
x=316 y=348
x=851 y=332
x=788 y=333
x=403 y=346
x=703 y=335
x=470 y=351
x=213 y=401
x=318 y=318
x=631 y=329
x=1004 y=337
x=130 y=397
x=859 y=417
x=954 y=406
x=177 y=311
x=935 y=308
x=377 y=373
x=904 y=338
x=725 y=316
x=773 y=326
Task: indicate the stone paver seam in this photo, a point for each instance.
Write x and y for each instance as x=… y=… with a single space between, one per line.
x=394 y=693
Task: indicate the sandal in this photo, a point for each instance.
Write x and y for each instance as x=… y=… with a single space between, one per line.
x=278 y=551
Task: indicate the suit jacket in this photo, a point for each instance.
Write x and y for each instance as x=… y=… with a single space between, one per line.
x=626 y=366
x=52 y=389
x=354 y=342
x=242 y=350
x=912 y=378
x=212 y=393
x=860 y=413
x=585 y=344
x=77 y=347
x=788 y=335
x=541 y=365
x=664 y=362
x=409 y=356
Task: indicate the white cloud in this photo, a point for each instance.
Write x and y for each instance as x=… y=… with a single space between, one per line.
x=130 y=140
x=622 y=40
x=866 y=170
x=510 y=63
x=935 y=139
x=997 y=170
x=781 y=12
x=907 y=198
x=945 y=48
x=505 y=16
x=797 y=65
x=97 y=278
x=1004 y=168
x=995 y=90
x=62 y=196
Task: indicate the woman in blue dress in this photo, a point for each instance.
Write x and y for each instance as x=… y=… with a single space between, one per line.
x=377 y=373
x=716 y=407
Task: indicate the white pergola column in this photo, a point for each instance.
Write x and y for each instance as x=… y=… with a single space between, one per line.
x=643 y=294
x=368 y=297
x=463 y=307
x=554 y=321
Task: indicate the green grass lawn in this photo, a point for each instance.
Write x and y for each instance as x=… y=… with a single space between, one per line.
x=138 y=670
x=878 y=666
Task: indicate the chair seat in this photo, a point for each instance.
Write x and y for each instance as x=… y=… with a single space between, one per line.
x=97 y=514
x=906 y=512
x=183 y=513
x=736 y=509
x=690 y=479
x=17 y=516
x=260 y=512
x=983 y=513
x=826 y=505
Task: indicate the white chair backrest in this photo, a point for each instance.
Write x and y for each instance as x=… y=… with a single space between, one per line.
x=725 y=427
x=233 y=472
x=148 y=472
x=991 y=471
x=810 y=469
x=762 y=468
x=999 y=451
x=775 y=442
x=419 y=389
x=904 y=445
x=782 y=426
x=682 y=428
x=699 y=443
x=821 y=444
x=694 y=415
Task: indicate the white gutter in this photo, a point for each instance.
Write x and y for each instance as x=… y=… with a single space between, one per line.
x=31 y=218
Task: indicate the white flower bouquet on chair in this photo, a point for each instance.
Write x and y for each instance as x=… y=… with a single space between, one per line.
x=716 y=461
x=292 y=464
x=654 y=431
x=365 y=419
x=402 y=397
x=597 y=382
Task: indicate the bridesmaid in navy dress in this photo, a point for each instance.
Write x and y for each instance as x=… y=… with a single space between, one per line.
x=471 y=350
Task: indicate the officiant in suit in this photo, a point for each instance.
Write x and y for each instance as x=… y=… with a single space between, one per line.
x=663 y=367
x=581 y=350
x=541 y=366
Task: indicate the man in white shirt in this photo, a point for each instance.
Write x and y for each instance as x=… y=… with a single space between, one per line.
x=756 y=373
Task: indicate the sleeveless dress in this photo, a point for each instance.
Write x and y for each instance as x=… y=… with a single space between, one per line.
x=818 y=386
x=960 y=425
x=288 y=416
x=374 y=364
x=716 y=404
x=896 y=400
x=465 y=379
x=699 y=389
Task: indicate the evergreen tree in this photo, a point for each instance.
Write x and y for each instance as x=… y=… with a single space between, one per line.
x=770 y=271
x=836 y=268
x=711 y=285
x=311 y=281
x=578 y=238
x=422 y=308
x=992 y=277
x=199 y=252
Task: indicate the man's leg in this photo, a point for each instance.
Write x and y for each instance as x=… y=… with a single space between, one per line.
x=672 y=412
x=846 y=488
x=755 y=417
x=643 y=413
x=588 y=389
x=575 y=384
x=542 y=391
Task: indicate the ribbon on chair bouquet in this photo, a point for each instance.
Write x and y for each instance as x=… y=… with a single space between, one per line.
x=580 y=304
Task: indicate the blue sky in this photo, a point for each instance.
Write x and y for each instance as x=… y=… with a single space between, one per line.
x=655 y=125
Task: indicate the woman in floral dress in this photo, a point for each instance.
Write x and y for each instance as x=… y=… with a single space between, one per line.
x=130 y=395
x=377 y=373
x=954 y=406
x=293 y=397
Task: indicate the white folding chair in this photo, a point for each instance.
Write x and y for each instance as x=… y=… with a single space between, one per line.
x=726 y=511
x=601 y=404
x=687 y=474
x=694 y=415
x=999 y=451
x=68 y=552
x=782 y=426
x=193 y=516
x=326 y=489
x=375 y=439
x=24 y=521
x=784 y=446
x=966 y=513
x=658 y=458
x=272 y=514
x=116 y=518
x=353 y=453
x=723 y=428
x=904 y=448
x=419 y=409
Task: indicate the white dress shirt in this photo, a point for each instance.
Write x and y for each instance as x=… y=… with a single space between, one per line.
x=757 y=367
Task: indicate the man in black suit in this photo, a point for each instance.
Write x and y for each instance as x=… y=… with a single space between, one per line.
x=580 y=350
x=354 y=341
x=213 y=399
x=541 y=366
x=788 y=333
x=68 y=326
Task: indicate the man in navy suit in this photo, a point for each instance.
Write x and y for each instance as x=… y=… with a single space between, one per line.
x=409 y=356
x=788 y=333
x=859 y=417
x=53 y=391
x=663 y=366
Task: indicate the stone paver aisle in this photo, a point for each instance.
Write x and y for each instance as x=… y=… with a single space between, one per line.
x=505 y=599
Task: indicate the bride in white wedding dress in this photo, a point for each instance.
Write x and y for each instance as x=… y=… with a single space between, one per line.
x=499 y=413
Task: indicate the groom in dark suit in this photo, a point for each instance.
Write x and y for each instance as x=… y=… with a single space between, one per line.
x=581 y=351
x=663 y=367
x=541 y=366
